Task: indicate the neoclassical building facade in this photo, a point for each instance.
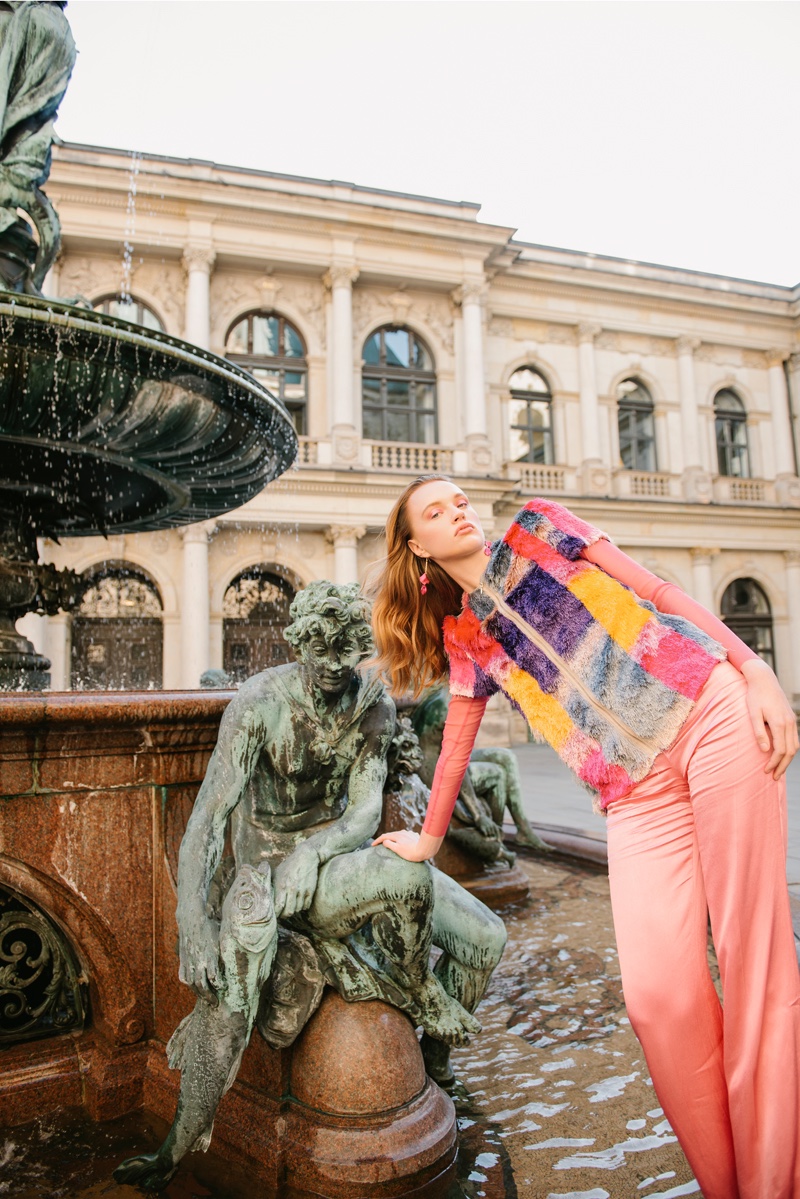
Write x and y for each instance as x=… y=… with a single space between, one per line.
x=405 y=335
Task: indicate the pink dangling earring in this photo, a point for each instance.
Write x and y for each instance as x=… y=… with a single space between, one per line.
x=487 y=548
x=423 y=579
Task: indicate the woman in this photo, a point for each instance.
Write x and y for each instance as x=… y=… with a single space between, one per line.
x=626 y=677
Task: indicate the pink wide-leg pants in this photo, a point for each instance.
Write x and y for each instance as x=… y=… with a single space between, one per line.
x=705 y=834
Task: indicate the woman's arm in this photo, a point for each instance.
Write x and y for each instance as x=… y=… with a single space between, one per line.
x=464 y=717
x=770 y=711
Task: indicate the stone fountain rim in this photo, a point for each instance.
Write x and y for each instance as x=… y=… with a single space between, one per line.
x=110 y=707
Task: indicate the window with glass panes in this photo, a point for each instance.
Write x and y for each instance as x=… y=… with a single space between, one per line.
x=271 y=348
x=530 y=417
x=637 y=439
x=730 y=419
x=746 y=610
x=398 y=387
x=129 y=309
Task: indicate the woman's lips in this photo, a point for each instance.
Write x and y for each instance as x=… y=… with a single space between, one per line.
x=464 y=529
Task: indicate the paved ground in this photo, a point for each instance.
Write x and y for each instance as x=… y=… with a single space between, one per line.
x=553 y=798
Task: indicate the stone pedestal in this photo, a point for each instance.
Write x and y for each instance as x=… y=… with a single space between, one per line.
x=363 y=1119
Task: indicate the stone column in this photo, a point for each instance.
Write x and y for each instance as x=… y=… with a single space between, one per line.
x=195 y=647
x=470 y=296
x=702 y=582
x=786 y=482
x=345 y=437
x=595 y=474
x=198 y=262
x=59 y=650
x=792 y=558
x=345 y=539
x=695 y=476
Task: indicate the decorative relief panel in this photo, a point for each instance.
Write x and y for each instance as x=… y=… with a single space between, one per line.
x=731 y=356
x=89 y=276
x=232 y=294
x=159 y=282
x=372 y=307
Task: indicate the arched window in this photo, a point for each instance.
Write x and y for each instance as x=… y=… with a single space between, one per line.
x=530 y=417
x=271 y=348
x=116 y=632
x=731 y=426
x=745 y=608
x=399 y=387
x=637 y=438
x=255 y=611
x=129 y=309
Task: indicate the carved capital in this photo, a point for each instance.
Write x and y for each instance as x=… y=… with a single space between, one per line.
x=776 y=356
x=198 y=534
x=588 y=331
x=340 y=275
x=703 y=555
x=344 y=536
x=199 y=258
x=794 y=361
x=792 y=558
x=687 y=345
x=473 y=291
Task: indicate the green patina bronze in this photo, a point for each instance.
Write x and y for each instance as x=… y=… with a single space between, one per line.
x=491 y=785
x=297 y=778
x=37 y=54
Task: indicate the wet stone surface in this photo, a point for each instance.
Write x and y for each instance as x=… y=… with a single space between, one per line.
x=554 y=1098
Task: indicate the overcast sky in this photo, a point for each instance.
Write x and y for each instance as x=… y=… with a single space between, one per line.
x=660 y=131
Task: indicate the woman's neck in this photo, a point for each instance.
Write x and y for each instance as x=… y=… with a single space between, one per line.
x=467 y=572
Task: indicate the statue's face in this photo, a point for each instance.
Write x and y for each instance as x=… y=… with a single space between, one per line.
x=330 y=661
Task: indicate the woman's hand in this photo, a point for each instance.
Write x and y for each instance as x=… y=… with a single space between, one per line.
x=774 y=722
x=414 y=847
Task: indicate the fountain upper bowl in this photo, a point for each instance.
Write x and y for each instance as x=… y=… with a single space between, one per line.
x=109 y=427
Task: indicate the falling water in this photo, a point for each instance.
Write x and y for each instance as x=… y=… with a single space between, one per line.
x=130 y=228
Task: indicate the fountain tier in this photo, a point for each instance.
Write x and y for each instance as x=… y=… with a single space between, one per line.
x=107 y=427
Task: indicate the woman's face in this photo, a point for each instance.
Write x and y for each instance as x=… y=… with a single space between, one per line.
x=444 y=525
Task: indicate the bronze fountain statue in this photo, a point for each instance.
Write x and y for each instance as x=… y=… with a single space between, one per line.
x=297 y=778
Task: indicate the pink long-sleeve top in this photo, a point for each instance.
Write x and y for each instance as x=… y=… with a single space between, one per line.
x=465 y=713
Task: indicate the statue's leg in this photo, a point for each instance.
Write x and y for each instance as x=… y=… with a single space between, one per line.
x=397 y=897
x=472 y=939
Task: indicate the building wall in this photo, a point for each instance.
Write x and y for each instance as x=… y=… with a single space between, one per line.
x=211 y=243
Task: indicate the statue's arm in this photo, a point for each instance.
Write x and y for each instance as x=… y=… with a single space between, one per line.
x=366 y=781
x=227 y=775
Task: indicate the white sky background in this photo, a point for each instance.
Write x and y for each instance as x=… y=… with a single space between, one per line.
x=659 y=131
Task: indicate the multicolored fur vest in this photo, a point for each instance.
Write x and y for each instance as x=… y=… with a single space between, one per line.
x=598 y=673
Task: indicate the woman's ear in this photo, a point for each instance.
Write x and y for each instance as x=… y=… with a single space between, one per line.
x=416 y=548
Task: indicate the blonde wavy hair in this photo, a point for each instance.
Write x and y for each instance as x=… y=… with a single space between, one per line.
x=406 y=625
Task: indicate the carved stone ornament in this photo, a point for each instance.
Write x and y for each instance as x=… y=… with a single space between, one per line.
x=346 y=446
x=42 y=989
x=344 y=536
x=199 y=258
x=340 y=275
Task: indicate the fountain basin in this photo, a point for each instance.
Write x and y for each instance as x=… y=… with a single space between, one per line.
x=106 y=426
